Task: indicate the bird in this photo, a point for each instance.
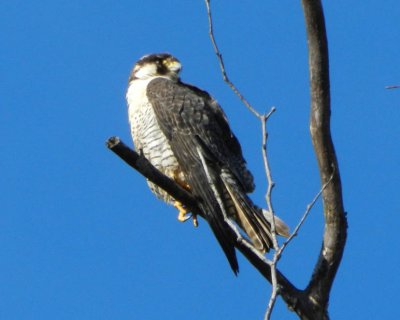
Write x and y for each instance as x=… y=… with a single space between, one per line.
x=185 y=134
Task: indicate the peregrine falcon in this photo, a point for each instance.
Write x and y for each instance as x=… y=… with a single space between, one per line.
x=185 y=134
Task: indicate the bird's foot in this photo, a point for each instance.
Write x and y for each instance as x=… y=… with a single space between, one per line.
x=184 y=215
x=195 y=221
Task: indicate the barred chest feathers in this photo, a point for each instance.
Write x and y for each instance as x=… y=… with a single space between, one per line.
x=147 y=135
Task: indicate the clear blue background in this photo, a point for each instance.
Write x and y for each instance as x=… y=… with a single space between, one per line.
x=81 y=236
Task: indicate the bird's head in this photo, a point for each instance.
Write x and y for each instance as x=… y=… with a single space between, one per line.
x=156 y=65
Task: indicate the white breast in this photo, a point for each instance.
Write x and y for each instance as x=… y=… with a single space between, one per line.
x=146 y=133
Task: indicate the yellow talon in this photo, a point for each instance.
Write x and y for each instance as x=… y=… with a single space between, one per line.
x=195 y=222
x=183 y=214
x=182 y=217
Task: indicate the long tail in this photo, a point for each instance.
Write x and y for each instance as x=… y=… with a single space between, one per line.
x=224 y=240
x=208 y=204
x=253 y=220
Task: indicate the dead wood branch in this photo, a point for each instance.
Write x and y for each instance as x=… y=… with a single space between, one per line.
x=335 y=232
x=312 y=303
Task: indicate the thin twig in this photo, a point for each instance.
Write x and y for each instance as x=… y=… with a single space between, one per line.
x=303 y=218
x=212 y=184
x=274 y=290
x=263 y=119
x=239 y=237
x=221 y=63
x=392 y=87
x=271 y=184
x=278 y=253
x=268 y=198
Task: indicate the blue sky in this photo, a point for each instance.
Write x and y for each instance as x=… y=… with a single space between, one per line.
x=83 y=238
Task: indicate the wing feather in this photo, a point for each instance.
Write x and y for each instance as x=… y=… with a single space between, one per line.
x=190 y=125
x=192 y=120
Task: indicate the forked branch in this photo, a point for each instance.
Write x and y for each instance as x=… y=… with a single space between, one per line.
x=312 y=303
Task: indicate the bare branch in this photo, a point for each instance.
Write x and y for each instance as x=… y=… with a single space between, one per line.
x=392 y=87
x=271 y=184
x=289 y=293
x=313 y=301
x=303 y=218
x=279 y=251
x=221 y=63
x=212 y=185
x=142 y=165
x=335 y=232
x=263 y=119
x=268 y=198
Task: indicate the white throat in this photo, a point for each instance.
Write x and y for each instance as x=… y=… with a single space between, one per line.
x=137 y=91
x=146 y=71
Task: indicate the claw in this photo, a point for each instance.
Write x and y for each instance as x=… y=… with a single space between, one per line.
x=195 y=221
x=183 y=214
